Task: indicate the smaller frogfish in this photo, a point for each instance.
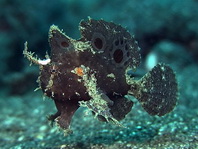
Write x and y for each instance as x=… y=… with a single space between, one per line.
x=92 y=72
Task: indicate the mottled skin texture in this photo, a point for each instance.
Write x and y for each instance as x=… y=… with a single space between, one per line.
x=102 y=55
x=65 y=58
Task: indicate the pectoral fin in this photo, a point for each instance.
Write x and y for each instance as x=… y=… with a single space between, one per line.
x=66 y=110
x=121 y=107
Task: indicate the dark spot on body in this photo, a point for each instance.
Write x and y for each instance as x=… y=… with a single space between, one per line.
x=126 y=47
x=64 y=44
x=98 y=43
x=116 y=42
x=128 y=54
x=121 y=41
x=118 y=56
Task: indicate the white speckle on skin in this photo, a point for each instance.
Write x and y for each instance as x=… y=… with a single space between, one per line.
x=162 y=68
x=52 y=94
x=44 y=62
x=77 y=93
x=163 y=77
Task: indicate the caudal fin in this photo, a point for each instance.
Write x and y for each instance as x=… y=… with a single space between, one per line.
x=157 y=91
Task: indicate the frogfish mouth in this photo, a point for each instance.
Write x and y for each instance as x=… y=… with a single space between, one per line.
x=92 y=72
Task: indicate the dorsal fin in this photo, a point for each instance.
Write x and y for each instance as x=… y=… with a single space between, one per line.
x=113 y=41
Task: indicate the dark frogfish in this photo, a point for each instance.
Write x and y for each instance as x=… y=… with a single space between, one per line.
x=92 y=72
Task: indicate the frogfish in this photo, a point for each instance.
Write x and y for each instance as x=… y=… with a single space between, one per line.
x=92 y=72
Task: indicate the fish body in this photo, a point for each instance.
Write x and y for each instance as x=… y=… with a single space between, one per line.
x=92 y=72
